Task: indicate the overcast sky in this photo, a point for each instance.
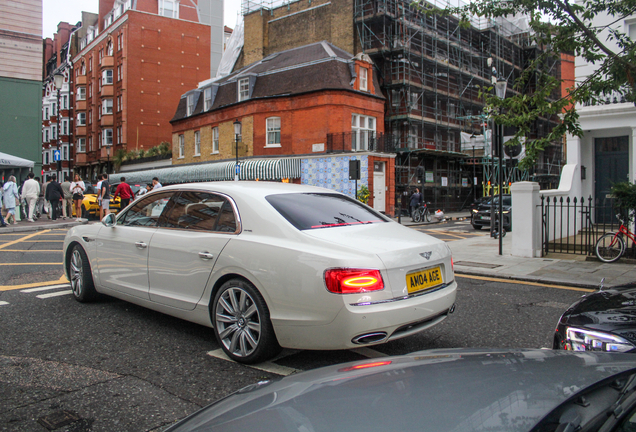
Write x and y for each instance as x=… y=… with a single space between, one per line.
x=71 y=12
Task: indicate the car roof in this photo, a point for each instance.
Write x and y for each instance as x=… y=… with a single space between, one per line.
x=250 y=188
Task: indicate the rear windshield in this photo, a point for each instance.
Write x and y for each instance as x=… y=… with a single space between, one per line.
x=317 y=210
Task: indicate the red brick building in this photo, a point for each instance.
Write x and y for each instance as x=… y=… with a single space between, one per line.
x=316 y=101
x=130 y=71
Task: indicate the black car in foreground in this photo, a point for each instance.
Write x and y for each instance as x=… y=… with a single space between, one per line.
x=482 y=216
x=604 y=320
x=438 y=391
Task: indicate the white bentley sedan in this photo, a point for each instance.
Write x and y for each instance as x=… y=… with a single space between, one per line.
x=267 y=265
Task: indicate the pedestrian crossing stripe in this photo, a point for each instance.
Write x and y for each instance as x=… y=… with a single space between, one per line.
x=54 y=294
x=2 y=303
x=45 y=288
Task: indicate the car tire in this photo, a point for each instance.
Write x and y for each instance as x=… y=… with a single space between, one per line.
x=81 y=277
x=242 y=324
x=477 y=227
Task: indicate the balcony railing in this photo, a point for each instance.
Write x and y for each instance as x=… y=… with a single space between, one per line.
x=358 y=141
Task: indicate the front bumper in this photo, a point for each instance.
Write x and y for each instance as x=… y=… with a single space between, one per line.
x=397 y=319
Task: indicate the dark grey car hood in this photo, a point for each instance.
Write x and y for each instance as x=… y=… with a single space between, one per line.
x=436 y=390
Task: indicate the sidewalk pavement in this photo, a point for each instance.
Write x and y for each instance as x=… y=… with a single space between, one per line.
x=40 y=224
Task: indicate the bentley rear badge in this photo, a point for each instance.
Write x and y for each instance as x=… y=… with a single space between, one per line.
x=426 y=255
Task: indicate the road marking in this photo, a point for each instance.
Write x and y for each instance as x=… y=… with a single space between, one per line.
x=35 y=284
x=268 y=366
x=33 y=264
x=45 y=288
x=368 y=352
x=21 y=239
x=512 y=281
x=55 y=294
x=2 y=303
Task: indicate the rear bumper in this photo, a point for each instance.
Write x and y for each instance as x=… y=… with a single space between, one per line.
x=397 y=319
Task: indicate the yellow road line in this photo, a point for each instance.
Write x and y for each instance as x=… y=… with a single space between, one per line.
x=512 y=281
x=17 y=264
x=2 y=246
x=30 y=241
x=29 y=250
x=35 y=284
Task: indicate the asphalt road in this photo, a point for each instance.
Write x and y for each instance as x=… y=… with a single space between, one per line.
x=113 y=366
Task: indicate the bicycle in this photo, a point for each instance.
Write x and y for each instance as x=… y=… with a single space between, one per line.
x=421 y=213
x=611 y=246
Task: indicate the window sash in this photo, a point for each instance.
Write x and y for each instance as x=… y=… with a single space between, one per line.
x=107 y=77
x=81 y=119
x=81 y=145
x=197 y=143
x=244 y=89
x=107 y=106
x=107 y=137
x=181 y=145
x=363 y=79
x=273 y=131
x=215 y=140
x=207 y=99
x=190 y=101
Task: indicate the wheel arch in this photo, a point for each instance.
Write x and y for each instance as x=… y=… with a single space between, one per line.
x=217 y=285
x=67 y=257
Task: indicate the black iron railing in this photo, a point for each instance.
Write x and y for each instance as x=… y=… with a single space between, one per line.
x=573 y=225
x=358 y=141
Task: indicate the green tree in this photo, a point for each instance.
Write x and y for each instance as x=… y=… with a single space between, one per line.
x=560 y=26
x=624 y=194
x=363 y=194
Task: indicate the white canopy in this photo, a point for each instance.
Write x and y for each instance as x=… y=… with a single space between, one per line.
x=8 y=161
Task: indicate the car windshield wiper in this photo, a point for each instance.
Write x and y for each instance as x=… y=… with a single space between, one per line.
x=626 y=400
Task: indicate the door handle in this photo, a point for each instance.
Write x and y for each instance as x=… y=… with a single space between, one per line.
x=141 y=245
x=206 y=255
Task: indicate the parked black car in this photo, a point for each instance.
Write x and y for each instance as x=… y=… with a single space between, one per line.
x=439 y=391
x=482 y=215
x=604 y=320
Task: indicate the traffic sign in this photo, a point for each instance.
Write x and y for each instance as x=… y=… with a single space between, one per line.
x=56 y=155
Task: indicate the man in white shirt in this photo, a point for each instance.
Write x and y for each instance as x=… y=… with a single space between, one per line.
x=99 y=195
x=30 y=192
x=155 y=184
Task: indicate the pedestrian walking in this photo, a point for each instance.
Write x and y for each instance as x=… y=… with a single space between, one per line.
x=416 y=201
x=104 y=194
x=125 y=192
x=30 y=193
x=10 y=198
x=47 y=203
x=99 y=188
x=155 y=184
x=77 y=189
x=67 y=201
x=2 y=222
x=39 y=206
x=54 y=194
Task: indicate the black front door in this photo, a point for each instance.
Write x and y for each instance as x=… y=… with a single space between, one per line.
x=611 y=157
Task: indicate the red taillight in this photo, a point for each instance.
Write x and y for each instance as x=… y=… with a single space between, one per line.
x=365 y=366
x=452 y=264
x=352 y=281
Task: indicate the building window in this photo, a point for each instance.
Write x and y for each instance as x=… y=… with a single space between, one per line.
x=190 y=101
x=273 y=132
x=413 y=137
x=107 y=106
x=181 y=146
x=107 y=137
x=215 y=140
x=118 y=103
x=119 y=36
x=90 y=64
x=54 y=109
x=119 y=73
x=90 y=90
x=46 y=135
x=46 y=113
x=197 y=143
x=395 y=98
x=90 y=116
x=362 y=132
x=65 y=102
x=243 y=89
x=64 y=127
x=90 y=143
x=81 y=145
x=109 y=48
x=169 y=8
x=107 y=77
x=119 y=135
x=413 y=98
x=101 y=56
x=64 y=152
x=53 y=132
x=363 y=79
x=81 y=119
x=207 y=99
x=46 y=157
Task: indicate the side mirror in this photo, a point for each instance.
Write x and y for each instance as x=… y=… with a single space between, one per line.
x=109 y=220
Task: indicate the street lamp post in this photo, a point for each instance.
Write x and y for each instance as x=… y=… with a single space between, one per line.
x=500 y=91
x=473 y=141
x=237 y=134
x=58 y=80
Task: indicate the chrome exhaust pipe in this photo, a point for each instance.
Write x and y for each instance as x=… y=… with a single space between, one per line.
x=368 y=338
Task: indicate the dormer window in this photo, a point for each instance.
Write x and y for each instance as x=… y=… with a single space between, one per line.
x=169 y=8
x=363 y=79
x=190 y=100
x=243 y=89
x=207 y=99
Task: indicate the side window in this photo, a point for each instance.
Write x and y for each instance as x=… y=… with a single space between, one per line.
x=227 y=220
x=146 y=212
x=197 y=211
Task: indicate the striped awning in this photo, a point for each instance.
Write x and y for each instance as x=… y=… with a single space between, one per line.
x=251 y=169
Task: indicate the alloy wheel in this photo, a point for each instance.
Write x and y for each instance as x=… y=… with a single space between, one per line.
x=238 y=322
x=77 y=273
